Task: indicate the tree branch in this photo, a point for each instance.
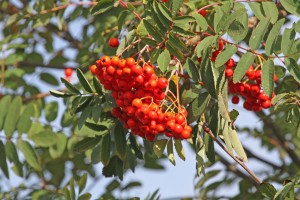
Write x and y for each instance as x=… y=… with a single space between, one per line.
x=276 y=131
x=239 y=161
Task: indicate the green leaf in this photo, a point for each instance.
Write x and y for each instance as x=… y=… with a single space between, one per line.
x=174 y=51
x=86 y=196
x=83 y=81
x=102 y=6
x=183 y=32
x=163 y=61
x=29 y=154
x=176 y=42
x=121 y=18
x=197 y=107
x=233 y=115
x=127 y=40
x=258 y=34
x=176 y=5
x=153 y=31
x=86 y=144
x=131 y=185
x=45 y=138
x=134 y=145
x=283 y=192
x=225 y=55
x=271 y=11
x=201 y=21
x=200 y=161
x=97 y=86
x=270 y=43
x=82 y=182
x=59 y=94
x=3 y=163
x=192 y=70
x=291 y=6
x=120 y=141
x=159 y=147
x=69 y=86
x=51 y=110
x=268 y=77
x=223 y=107
x=293 y=68
x=4 y=105
x=58 y=148
x=238 y=29
x=206 y=177
x=105 y=150
x=12 y=116
x=226 y=136
x=114 y=168
x=72 y=189
x=288 y=38
x=164 y=14
x=257 y=9
x=236 y=144
x=204 y=44
x=267 y=190
x=49 y=78
x=170 y=151
x=208 y=75
x=158 y=19
x=179 y=149
x=242 y=66
x=24 y=122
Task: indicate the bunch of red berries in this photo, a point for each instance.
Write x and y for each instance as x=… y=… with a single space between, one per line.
x=140 y=98
x=249 y=89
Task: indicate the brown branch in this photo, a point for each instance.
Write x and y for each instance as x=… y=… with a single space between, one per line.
x=52 y=66
x=40 y=96
x=234 y=169
x=239 y=161
x=283 y=142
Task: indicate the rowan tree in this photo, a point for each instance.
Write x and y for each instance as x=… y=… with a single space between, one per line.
x=128 y=82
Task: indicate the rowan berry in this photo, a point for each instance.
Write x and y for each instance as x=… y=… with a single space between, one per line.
x=202 y=12
x=235 y=100
x=113 y=42
x=68 y=72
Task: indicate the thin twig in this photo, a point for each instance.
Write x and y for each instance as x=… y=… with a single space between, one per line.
x=239 y=161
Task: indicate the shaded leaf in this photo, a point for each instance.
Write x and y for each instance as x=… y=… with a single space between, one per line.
x=197 y=107
x=86 y=143
x=291 y=6
x=12 y=116
x=270 y=43
x=267 y=190
x=236 y=144
x=283 y=192
x=29 y=154
x=201 y=21
x=59 y=94
x=159 y=147
x=192 y=70
x=153 y=31
x=51 y=110
x=105 y=150
x=179 y=149
x=120 y=141
x=242 y=66
x=69 y=86
x=83 y=81
x=58 y=148
x=170 y=151
x=287 y=41
x=49 y=78
x=271 y=11
x=3 y=163
x=268 y=77
x=114 y=168
x=82 y=182
x=163 y=61
x=258 y=34
x=102 y=6
x=4 y=106
x=293 y=68
x=225 y=55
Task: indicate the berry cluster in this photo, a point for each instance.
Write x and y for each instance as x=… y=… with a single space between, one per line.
x=249 y=88
x=68 y=73
x=140 y=98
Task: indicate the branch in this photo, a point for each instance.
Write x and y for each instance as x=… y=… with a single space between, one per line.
x=40 y=96
x=235 y=170
x=240 y=162
x=276 y=131
x=52 y=66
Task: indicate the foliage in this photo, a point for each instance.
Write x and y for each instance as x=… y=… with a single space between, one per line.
x=71 y=128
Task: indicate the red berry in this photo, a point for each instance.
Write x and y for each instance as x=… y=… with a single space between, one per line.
x=266 y=104
x=130 y=62
x=165 y=1
x=185 y=134
x=228 y=72
x=235 y=100
x=179 y=118
x=137 y=103
x=113 y=42
x=93 y=69
x=162 y=83
x=230 y=63
x=263 y=97
x=251 y=73
x=68 y=72
x=115 y=61
x=177 y=128
x=221 y=45
x=105 y=61
x=202 y=12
